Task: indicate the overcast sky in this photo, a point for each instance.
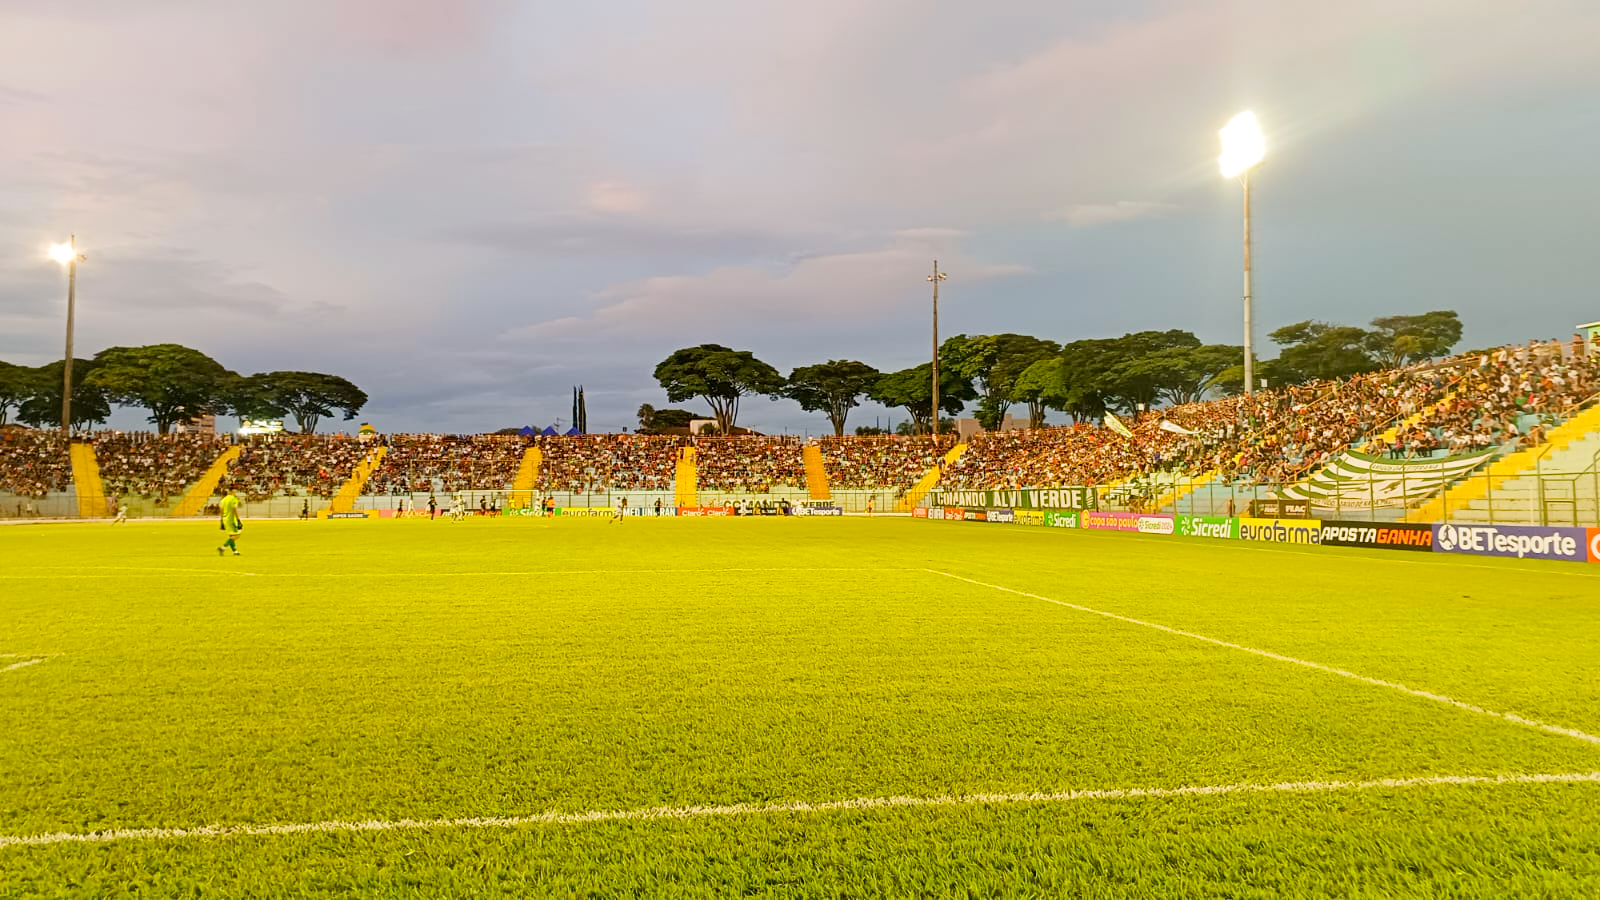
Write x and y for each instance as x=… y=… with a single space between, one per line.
x=469 y=206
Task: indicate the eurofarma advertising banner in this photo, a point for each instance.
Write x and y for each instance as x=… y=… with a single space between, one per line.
x=1520 y=541
x=1018 y=498
x=1029 y=516
x=1207 y=526
x=1380 y=535
x=1281 y=531
x=1359 y=481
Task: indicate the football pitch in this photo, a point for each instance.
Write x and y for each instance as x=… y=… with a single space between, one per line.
x=787 y=707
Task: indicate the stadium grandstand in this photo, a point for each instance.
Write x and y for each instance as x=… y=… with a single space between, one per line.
x=1247 y=446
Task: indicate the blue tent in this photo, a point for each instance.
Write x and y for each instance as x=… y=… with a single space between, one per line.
x=574 y=432
x=527 y=431
x=549 y=431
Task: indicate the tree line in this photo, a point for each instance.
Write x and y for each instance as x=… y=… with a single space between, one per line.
x=176 y=384
x=1084 y=379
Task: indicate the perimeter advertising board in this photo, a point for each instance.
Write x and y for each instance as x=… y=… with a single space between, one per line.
x=1281 y=531
x=1594 y=545
x=1520 y=541
x=1004 y=516
x=1141 y=523
x=1018 y=498
x=1029 y=516
x=1208 y=526
x=1062 y=518
x=1380 y=535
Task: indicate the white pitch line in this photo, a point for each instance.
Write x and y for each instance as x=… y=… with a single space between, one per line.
x=1343 y=673
x=766 y=809
x=26 y=662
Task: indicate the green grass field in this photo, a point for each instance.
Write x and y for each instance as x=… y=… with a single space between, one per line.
x=412 y=674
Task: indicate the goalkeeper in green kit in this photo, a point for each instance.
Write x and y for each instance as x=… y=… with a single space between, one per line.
x=230 y=523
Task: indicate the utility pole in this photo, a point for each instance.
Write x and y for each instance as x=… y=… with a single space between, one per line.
x=936 y=277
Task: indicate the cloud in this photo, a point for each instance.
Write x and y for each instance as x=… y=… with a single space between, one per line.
x=856 y=289
x=1088 y=215
x=616 y=198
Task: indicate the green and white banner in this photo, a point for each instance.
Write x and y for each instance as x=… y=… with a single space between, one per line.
x=1018 y=498
x=1359 y=481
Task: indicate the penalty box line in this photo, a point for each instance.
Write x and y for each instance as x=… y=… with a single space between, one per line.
x=1513 y=718
x=680 y=813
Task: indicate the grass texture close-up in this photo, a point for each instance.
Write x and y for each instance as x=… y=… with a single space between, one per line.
x=787 y=707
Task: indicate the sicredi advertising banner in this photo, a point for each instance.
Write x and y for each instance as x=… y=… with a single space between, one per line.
x=1208 y=526
x=1281 y=531
x=1062 y=519
x=1380 y=535
x=1520 y=541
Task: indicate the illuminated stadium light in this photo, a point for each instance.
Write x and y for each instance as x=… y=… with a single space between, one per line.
x=1243 y=145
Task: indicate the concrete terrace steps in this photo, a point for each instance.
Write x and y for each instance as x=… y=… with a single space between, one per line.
x=686 y=480
x=527 y=477
x=929 y=480
x=1529 y=461
x=817 y=487
x=345 y=500
x=196 y=495
x=90 y=490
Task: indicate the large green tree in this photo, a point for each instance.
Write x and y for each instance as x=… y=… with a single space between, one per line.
x=1180 y=374
x=41 y=408
x=1398 y=340
x=718 y=375
x=175 y=383
x=994 y=362
x=912 y=390
x=17 y=384
x=1318 y=350
x=834 y=387
x=308 y=396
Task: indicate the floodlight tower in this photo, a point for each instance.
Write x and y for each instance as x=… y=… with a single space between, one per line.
x=1242 y=150
x=936 y=277
x=67 y=254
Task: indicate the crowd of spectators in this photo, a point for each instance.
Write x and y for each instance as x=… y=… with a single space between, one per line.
x=157 y=467
x=609 y=462
x=33 y=463
x=1508 y=396
x=753 y=464
x=1282 y=435
x=870 y=463
x=435 y=462
x=295 y=465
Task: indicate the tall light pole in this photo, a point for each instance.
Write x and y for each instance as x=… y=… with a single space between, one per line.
x=936 y=277
x=1242 y=150
x=67 y=254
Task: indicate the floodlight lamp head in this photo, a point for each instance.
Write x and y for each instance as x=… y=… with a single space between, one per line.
x=1243 y=145
x=63 y=253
